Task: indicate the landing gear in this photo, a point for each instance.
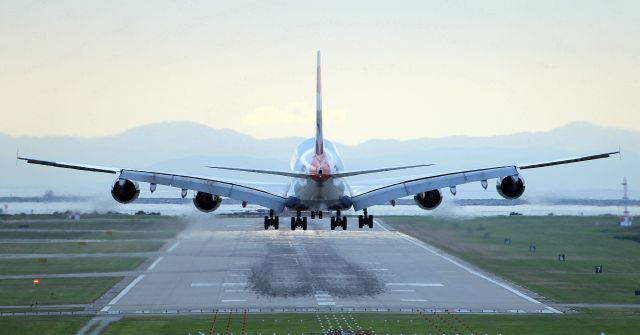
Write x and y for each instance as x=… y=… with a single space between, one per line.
x=313 y=215
x=271 y=220
x=338 y=221
x=365 y=220
x=320 y=215
x=299 y=221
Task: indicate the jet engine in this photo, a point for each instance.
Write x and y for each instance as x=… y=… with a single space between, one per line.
x=510 y=187
x=125 y=191
x=428 y=200
x=206 y=202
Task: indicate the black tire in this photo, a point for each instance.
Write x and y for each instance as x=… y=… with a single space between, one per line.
x=360 y=221
x=320 y=215
x=293 y=223
x=313 y=215
x=333 y=223
x=266 y=223
x=276 y=225
x=370 y=221
x=304 y=223
x=344 y=223
x=276 y=219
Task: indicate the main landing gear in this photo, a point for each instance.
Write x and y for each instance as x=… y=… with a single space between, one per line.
x=318 y=213
x=338 y=221
x=271 y=221
x=365 y=220
x=299 y=222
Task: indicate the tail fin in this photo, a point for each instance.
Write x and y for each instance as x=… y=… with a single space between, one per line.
x=319 y=139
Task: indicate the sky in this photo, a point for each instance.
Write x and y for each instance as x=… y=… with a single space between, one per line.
x=391 y=69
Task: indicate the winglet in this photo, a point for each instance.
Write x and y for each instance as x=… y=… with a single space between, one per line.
x=620 y=151
x=319 y=138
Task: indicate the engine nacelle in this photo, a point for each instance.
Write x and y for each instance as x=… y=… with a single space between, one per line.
x=428 y=200
x=125 y=191
x=510 y=187
x=206 y=202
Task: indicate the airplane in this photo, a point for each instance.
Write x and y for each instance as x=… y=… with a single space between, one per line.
x=318 y=183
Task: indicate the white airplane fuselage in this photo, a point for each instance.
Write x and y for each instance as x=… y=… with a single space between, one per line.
x=320 y=191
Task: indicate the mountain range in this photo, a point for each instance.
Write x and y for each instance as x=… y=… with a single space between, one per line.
x=184 y=147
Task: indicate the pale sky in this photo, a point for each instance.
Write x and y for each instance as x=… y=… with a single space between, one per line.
x=391 y=69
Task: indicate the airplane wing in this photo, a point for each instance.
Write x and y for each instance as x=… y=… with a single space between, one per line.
x=384 y=194
x=222 y=188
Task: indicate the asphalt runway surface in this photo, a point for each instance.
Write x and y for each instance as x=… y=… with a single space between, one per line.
x=233 y=263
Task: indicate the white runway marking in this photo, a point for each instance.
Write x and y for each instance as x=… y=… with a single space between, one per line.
x=122 y=294
x=235 y=291
x=234 y=300
x=417 y=284
x=403 y=290
x=216 y=284
x=153 y=265
x=466 y=268
x=173 y=247
x=413 y=300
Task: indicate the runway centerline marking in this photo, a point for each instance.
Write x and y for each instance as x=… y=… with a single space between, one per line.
x=403 y=290
x=234 y=300
x=468 y=269
x=216 y=284
x=416 y=284
x=122 y=293
x=153 y=265
x=173 y=247
x=413 y=300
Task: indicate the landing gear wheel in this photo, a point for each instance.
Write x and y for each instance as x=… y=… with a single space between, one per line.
x=304 y=223
x=360 y=221
x=266 y=223
x=293 y=223
x=333 y=223
x=313 y=215
x=320 y=215
x=370 y=223
x=344 y=223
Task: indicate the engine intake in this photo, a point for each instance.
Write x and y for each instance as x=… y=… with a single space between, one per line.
x=206 y=202
x=125 y=191
x=510 y=187
x=428 y=200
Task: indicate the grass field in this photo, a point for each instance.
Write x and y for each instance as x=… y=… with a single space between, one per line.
x=588 y=322
x=586 y=242
x=68 y=265
x=79 y=248
x=73 y=235
x=42 y=325
x=97 y=222
x=54 y=290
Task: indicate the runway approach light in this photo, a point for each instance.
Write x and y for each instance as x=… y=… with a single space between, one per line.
x=36 y=281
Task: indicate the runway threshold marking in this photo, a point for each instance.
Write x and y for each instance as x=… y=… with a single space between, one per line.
x=153 y=265
x=122 y=293
x=173 y=247
x=468 y=269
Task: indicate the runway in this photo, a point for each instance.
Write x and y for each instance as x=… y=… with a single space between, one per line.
x=232 y=263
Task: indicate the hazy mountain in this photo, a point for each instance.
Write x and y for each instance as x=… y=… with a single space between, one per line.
x=187 y=147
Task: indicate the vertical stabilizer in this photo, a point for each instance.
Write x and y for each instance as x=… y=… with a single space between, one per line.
x=319 y=139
